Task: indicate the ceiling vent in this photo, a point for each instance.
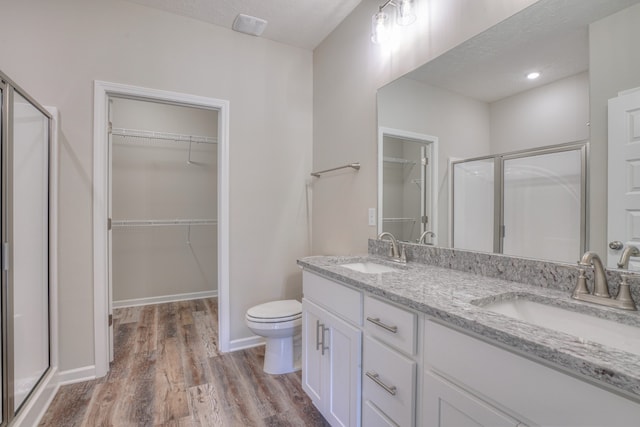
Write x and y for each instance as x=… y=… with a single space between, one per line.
x=249 y=25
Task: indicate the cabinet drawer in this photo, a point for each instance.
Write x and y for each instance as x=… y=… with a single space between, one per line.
x=393 y=325
x=339 y=299
x=388 y=380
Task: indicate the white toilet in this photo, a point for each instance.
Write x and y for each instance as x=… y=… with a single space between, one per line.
x=280 y=323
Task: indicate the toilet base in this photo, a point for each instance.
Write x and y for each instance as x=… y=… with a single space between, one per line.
x=281 y=355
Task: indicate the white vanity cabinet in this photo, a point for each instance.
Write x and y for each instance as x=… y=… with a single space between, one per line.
x=331 y=348
x=470 y=382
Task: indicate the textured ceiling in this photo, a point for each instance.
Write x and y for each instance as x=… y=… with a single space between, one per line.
x=550 y=36
x=301 y=23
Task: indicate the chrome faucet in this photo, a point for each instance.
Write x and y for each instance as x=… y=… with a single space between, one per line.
x=600 y=285
x=627 y=253
x=394 y=253
x=423 y=237
x=600 y=294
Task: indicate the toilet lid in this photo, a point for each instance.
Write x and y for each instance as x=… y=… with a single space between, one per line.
x=276 y=310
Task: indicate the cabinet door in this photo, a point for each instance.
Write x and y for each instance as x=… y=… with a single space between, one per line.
x=311 y=353
x=446 y=405
x=343 y=358
x=373 y=417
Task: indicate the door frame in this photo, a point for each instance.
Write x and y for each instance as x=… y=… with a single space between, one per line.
x=102 y=91
x=430 y=144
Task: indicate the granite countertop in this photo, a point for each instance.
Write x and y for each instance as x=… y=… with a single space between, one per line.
x=456 y=298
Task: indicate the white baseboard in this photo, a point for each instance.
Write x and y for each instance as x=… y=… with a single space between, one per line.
x=37 y=405
x=72 y=376
x=243 y=343
x=165 y=298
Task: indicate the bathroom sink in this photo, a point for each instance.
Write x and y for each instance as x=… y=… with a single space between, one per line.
x=582 y=326
x=369 y=267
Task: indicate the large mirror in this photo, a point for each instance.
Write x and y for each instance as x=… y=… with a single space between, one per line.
x=515 y=165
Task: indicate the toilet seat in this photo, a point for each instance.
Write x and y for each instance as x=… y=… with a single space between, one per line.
x=275 y=312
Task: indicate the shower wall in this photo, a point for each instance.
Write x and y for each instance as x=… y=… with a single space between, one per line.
x=163 y=181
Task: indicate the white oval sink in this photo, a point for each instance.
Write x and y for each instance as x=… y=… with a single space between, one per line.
x=369 y=267
x=583 y=326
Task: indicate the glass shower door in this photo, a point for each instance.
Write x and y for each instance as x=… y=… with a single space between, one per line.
x=28 y=230
x=474 y=204
x=543 y=199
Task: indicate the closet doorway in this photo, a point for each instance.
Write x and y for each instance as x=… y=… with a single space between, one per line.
x=163 y=219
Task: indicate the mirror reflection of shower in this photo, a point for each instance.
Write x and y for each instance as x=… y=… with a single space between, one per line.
x=407 y=162
x=530 y=203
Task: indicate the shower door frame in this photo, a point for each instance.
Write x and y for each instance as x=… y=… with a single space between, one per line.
x=44 y=389
x=498 y=214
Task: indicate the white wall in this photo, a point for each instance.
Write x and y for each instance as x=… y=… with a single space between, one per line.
x=55 y=50
x=552 y=114
x=152 y=180
x=348 y=70
x=613 y=66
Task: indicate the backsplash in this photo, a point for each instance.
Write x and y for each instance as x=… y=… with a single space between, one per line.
x=545 y=274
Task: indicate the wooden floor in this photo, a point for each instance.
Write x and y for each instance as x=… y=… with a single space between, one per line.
x=167 y=372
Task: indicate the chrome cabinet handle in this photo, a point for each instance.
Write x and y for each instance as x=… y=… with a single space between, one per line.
x=376 y=321
x=376 y=379
x=318 y=341
x=320 y=337
x=323 y=346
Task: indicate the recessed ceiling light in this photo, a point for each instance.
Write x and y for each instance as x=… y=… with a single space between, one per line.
x=249 y=25
x=533 y=75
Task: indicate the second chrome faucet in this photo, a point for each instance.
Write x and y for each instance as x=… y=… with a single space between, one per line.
x=600 y=294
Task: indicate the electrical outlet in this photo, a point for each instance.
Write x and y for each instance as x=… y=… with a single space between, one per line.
x=372 y=216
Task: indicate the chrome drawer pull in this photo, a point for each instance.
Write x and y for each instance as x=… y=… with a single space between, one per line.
x=376 y=321
x=319 y=341
x=376 y=379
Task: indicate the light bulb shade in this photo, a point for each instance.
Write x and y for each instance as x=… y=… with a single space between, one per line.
x=406 y=14
x=380 y=32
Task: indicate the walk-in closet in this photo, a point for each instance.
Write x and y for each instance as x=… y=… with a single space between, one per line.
x=27 y=355
x=163 y=202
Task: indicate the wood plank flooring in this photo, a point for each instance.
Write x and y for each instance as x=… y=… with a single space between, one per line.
x=167 y=372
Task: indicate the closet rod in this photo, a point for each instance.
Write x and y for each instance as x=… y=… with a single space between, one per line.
x=399 y=219
x=398 y=160
x=147 y=134
x=355 y=166
x=162 y=222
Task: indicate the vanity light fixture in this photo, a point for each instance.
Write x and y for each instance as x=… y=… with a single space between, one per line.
x=380 y=27
x=533 y=75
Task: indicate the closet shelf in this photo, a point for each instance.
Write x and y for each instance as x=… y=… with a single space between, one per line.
x=162 y=222
x=399 y=219
x=398 y=161
x=164 y=136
